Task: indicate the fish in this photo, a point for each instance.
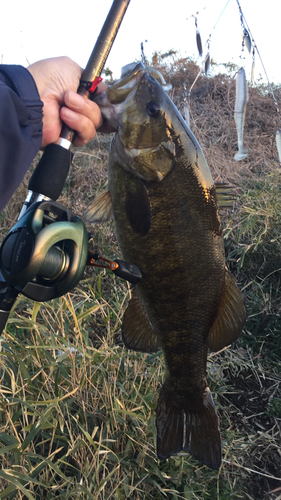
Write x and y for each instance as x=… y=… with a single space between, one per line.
x=278 y=143
x=166 y=218
x=199 y=42
x=207 y=64
x=247 y=40
x=240 y=112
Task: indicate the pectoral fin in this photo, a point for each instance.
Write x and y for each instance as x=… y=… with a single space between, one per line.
x=230 y=318
x=137 y=206
x=137 y=332
x=100 y=210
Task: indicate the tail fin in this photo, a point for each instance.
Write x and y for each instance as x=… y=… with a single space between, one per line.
x=241 y=154
x=193 y=429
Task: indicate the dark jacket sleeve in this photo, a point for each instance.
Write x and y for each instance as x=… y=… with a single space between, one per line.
x=20 y=127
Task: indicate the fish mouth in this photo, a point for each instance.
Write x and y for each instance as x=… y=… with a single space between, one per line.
x=120 y=90
x=113 y=102
x=131 y=75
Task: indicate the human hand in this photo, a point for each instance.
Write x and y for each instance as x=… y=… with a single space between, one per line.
x=57 y=80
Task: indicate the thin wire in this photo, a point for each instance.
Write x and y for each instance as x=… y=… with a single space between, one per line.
x=197 y=76
x=187 y=93
x=218 y=20
x=256 y=48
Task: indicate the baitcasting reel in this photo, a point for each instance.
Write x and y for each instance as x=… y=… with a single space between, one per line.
x=45 y=254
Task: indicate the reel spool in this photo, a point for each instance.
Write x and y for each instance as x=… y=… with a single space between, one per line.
x=45 y=253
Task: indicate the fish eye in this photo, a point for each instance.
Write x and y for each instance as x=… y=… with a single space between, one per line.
x=153 y=109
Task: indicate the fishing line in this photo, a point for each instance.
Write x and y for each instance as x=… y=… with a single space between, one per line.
x=257 y=50
x=246 y=40
x=186 y=94
x=217 y=21
x=214 y=27
x=208 y=41
x=196 y=78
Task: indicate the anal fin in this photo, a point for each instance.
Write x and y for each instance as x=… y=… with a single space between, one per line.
x=230 y=318
x=225 y=198
x=137 y=332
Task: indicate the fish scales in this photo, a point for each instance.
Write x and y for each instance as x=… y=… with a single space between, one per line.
x=168 y=242
x=167 y=223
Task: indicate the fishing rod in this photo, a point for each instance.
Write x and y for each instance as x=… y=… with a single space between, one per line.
x=49 y=177
x=45 y=253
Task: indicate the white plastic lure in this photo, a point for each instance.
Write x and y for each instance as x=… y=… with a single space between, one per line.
x=240 y=111
x=247 y=40
x=278 y=143
x=253 y=70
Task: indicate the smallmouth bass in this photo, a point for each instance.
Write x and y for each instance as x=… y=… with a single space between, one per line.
x=164 y=203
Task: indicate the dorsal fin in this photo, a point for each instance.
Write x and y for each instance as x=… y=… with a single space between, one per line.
x=225 y=198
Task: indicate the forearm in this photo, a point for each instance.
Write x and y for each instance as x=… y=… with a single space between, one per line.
x=20 y=127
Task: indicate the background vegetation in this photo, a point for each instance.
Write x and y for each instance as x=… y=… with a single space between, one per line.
x=77 y=410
